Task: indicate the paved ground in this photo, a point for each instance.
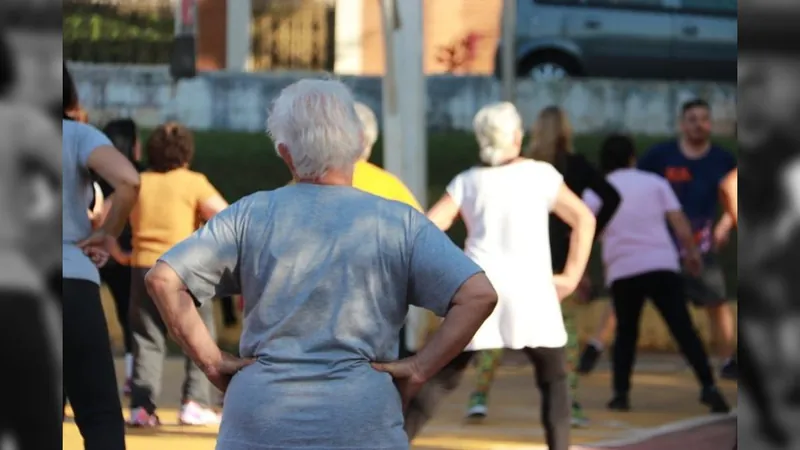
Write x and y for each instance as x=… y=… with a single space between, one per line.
x=664 y=392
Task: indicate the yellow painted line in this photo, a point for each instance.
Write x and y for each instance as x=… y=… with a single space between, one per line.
x=461 y=443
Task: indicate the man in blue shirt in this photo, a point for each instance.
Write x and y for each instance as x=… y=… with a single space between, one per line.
x=696 y=168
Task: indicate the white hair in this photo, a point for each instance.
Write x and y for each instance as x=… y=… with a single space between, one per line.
x=317 y=122
x=496 y=127
x=370 y=125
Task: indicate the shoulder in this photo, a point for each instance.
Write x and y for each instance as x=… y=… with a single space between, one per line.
x=664 y=148
x=721 y=153
x=541 y=168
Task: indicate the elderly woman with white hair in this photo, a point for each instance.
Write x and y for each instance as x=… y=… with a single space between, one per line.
x=327 y=273
x=505 y=204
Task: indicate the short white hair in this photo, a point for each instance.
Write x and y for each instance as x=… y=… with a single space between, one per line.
x=370 y=125
x=317 y=122
x=496 y=127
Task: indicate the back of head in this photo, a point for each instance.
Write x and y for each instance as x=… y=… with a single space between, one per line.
x=70 y=102
x=370 y=124
x=123 y=134
x=551 y=139
x=170 y=147
x=498 y=129
x=617 y=152
x=316 y=121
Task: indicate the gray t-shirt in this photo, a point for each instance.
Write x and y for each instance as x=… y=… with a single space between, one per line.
x=78 y=142
x=327 y=274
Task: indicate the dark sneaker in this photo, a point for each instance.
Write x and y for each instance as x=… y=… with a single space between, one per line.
x=579 y=419
x=712 y=397
x=619 y=403
x=588 y=359
x=730 y=371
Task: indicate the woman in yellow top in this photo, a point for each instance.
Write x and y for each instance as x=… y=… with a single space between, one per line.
x=171 y=198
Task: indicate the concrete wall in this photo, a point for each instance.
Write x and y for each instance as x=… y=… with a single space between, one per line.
x=239 y=101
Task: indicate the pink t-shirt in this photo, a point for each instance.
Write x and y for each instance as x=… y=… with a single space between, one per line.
x=637 y=239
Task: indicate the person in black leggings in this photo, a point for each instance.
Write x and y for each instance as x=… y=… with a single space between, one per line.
x=89 y=378
x=116 y=274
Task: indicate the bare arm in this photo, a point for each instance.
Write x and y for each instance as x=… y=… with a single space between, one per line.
x=569 y=208
x=180 y=315
x=211 y=207
x=444 y=212
x=471 y=305
x=115 y=168
x=730 y=195
x=683 y=231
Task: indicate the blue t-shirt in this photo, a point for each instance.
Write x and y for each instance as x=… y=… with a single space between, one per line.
x=326 y=274
x=695 y=182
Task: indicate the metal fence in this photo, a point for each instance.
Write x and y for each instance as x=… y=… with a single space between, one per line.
x=293 y=34
x=118 y=31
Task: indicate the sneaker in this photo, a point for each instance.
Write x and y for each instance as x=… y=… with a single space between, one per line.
x=730 y=371
x=588 y=360
x=619 y=403
x=194 y=414
x=477 y=408
x=712 y=397
x=579 y=419
x=140 y=418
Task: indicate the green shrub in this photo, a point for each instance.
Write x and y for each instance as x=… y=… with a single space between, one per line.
x=242 y=163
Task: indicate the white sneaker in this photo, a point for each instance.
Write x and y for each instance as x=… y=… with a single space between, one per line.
x=477 y=411
x=196 y=415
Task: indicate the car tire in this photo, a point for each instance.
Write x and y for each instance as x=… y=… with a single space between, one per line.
x=548 y=66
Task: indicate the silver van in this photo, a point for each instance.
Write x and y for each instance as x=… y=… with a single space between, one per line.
x=639 y=39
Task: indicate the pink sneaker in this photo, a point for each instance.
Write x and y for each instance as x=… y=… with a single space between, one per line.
x=141 y=419
x=194 y=414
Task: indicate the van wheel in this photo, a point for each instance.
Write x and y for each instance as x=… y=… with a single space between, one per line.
x=548 y=66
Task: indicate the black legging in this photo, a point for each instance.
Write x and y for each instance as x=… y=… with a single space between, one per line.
x=31 y=410
x=665 y=289
x=550 y=368
x=89 y=378
x=118 y=279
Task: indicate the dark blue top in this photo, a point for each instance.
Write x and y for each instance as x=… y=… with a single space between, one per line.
x=695 y=182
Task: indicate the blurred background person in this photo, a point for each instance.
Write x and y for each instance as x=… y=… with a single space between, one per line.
x=506 y=238
x=325 y=307
x=695 y=167
x=171 y=198
x=551 y=142
x=641 y=263
x=116 y=274
x=89 y=377
x=29 y=322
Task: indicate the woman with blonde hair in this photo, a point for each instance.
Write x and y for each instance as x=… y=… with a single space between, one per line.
x=510 y=240
x=552 y=142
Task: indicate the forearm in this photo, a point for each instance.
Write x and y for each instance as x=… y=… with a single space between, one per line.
x=452 y=336
x=726 y=222
x=124 y=201
x=683 y=231
x=580 y=247
x=184 y=324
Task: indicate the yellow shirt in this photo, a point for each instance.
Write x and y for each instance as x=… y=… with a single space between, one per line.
x=372 y=179
x=166 y=212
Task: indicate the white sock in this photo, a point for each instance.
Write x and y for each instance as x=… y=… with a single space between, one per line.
x=596 y=344
x=128 y=365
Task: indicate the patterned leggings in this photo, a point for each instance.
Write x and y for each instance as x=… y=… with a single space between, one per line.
x=489 y=361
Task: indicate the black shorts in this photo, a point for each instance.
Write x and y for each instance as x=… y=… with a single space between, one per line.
x=709 y=288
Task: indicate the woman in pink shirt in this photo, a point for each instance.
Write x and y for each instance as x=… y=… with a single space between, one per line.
x=641 y=262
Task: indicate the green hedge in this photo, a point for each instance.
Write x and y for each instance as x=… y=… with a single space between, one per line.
x=241 y=163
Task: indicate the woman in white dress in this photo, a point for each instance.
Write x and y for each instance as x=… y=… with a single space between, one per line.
x=505 y=204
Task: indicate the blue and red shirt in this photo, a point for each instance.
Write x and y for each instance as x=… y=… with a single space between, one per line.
x=695 y=182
